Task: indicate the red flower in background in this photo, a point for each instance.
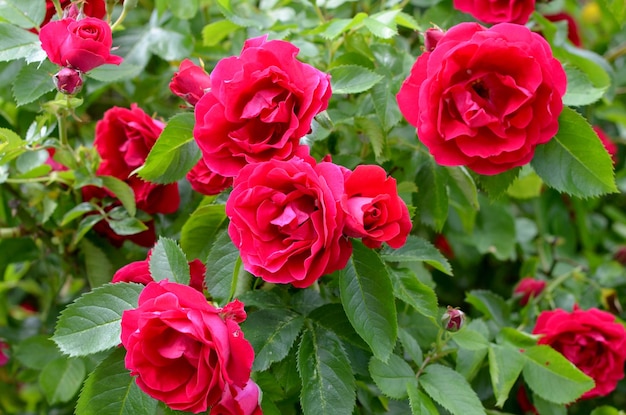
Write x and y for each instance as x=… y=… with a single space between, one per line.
x=182 y=350
x=528 y=287
x=91 y=8
x=239 y=401
x=573 y=34
x=485 y=98
x=190 y=82
x=497 y=11
x=590 y=339
x=260 y=105
x=608 y=144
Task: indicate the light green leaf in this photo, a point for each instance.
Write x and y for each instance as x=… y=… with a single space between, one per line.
x=417 y=249
x=113 y=73
x=408 y=288
x=200 y=230
x=393 y=377
x=366 y=292
x=185 y=9
x=11 y=145
x=606 y=410
x=379 y=29
x=271 y=332
x=214 y=33
x=168 y=44
x=385 y=105
x=76 y=212
x=469 y=339
x=552 y=377
x=505 y=365
x=223 y=269
x=126 y=226
x=494 y=230
x=111 y=390
x=580 y=90
x=174 y=153
x=122 y=191
x=91 y=324
x=16 y=43
x=575 y=161
x=168 y=262
x=372 y=129
x=421 y=404
x=438 y=380
x=61 y=378
x=351 y=79
x=328 y=385
x=25 y=13
x=98 y=266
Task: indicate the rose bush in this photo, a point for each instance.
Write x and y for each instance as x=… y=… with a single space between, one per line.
x=80 y=44
x=260 y=105
x=590 y=339
x=499 y=11
x=182 y=350
x=485 y=98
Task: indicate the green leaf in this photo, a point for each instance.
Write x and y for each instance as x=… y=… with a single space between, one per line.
x=333 y=317
x=11 y=145
x=201 y=229
x=91 y=324
x=372 y=129
x=367 y=297
x=126 y=226
x=575 y=161
x=223 y=269
x=432 y=195
x=83 y=227
x=497 y=185
x=168 y=262
x=440 y=382
x=505 y=365
x=526 y=186
x=380 y=29
x=214 y=33
x=494 y=231
x=113 y=73
x=77 y=211
x=16 y=43
x=111 y=390
x=552 y=377
x=580 y=90
x=408 y=288
x=98 y=266
x=174 y=153
x=271 y=332
x=490 y=304
x=122 y=191
x=417 y=249
x=351 y=79
x=328 y=385
x=605 y=410
x=33 y=81
x=469 y=339
x=168 y=44
x=385 y=105
x=393 y=377
x=25 y=13
x=185 y=9
x=420 y=403
x=544 y=407
x=36 y=352
x=61 y=378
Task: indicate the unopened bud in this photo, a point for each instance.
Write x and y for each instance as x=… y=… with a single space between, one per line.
x=431 y=37
x=452 y=319
x=68 y=81
x=528 y=287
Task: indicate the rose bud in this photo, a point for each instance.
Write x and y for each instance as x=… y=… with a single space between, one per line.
x=190 y=82
x=68 y=81
x=431 y=37
x=452 y=319
x=528 y=287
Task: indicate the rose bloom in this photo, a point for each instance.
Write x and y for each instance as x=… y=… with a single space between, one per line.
x=374 y=211
x=80 y=44
x=260 y=105
x=207 y=182
x=182 y=350
x=485 y=98
x=91 y=8
x=497 y=11
x=590 y=339
x=190 y=82
x=139 y=272
x=124 y=138
x=239 y=401
x=528 y=287
x=286 y=220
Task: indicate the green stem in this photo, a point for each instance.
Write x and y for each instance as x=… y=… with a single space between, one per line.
x=120 y=19
x=7 y=233
x=57 y=7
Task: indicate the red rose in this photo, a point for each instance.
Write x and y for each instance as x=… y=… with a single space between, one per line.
x=207 y=182
x=80 y=44
x=190 y=82
x=608 y=144
x=286 y=220
x=498 y=11
x=238 y=401
x=124 y=137
x=590 y=339
x=139 y=272
x=259 y=107
x=485 y=98
x=91 y=8
x=528 y=287
x=374 y=211
x=573 y=34
x=183 y=351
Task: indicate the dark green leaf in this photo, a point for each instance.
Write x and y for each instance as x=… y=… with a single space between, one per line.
x=174 y=153
x=440 y=382
x=111 y=390
x=575 y=161
x=333 y=317
x=223 y=269
x=393 y=377
x=16 y=43
x=61 y=378
x=122 y=191
x=432 y=195
x=469 y=339
x=494 y=231
x=200 y=230
x=408 y=288
x=168 y=262
x=36 y=352
x=367 y=297
x=385 y=105
x=98 y=266
x=92 y=323
x=417 y=249
x=490 y=304
x=328 y=386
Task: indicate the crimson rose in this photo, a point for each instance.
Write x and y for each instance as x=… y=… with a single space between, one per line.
x=183 y=351
x=80 y=44
x=374 y=211
x=497 y=11
x=259 y=106
x=124 y=137
x=528 y=287
x=190 y=82
x=239 y=401
x=286 y=219
x=207 y=182
x=485 y=98
x=590 y=339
